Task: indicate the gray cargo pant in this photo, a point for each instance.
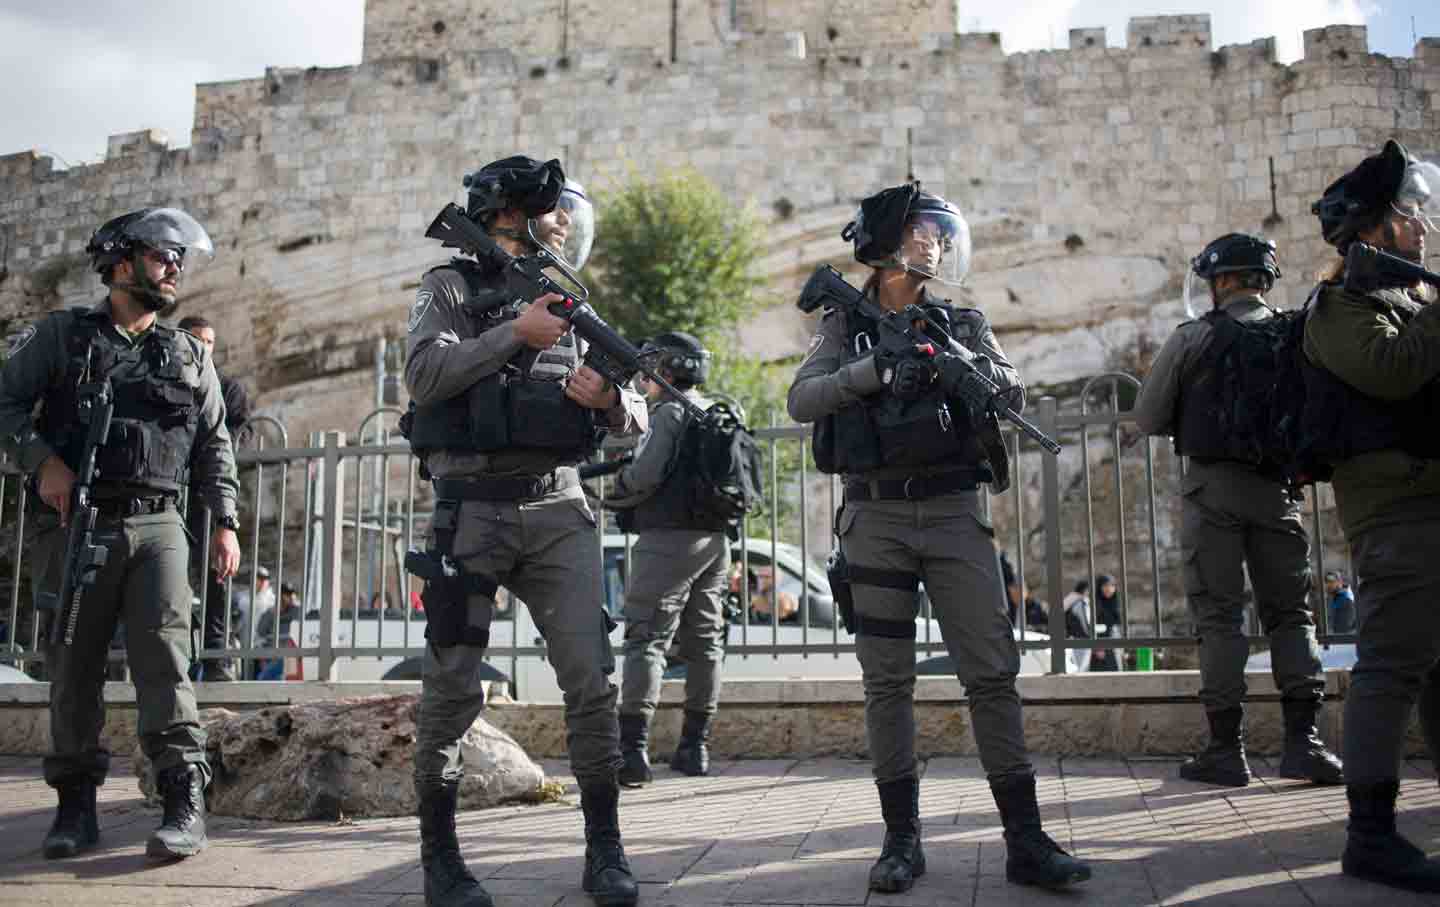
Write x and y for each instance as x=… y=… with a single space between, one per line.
x=678 y=581
x=1398 y=599
x=1232 y=516
x=547 y=552
x=947 y=542
x=144 y=583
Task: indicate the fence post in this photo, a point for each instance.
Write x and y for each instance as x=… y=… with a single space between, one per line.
x=1046 y=418
x=332 y=543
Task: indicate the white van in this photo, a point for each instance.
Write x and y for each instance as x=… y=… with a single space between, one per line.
x=757 y=648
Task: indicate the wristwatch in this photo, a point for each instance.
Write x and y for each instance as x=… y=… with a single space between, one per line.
x=229 y=522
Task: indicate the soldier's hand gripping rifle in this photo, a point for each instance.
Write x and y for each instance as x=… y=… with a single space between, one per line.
x=83 y=556
x=526 y=277
x=916 y=355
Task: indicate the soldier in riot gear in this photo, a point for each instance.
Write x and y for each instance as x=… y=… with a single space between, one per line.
x=1239 y=512
x=167 y=432
x=503 y=410
x=1372 y=352
x=680 y=568
x=912 y=512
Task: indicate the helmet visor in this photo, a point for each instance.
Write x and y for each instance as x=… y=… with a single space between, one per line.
x=569 y=229
x=1197 y=294
x=170 y=228
x=936 y=244
x=1419 y=194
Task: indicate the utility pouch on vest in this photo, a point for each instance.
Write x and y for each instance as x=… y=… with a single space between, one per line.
x=540 y=415
x=846 y=441
x=125 y=451
x=489 y=416
x=839 y=576
x=458 y=605
x=914 y=433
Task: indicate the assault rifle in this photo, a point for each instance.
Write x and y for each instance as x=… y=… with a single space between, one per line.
x=950 y=365
x=83 y=556
x=525 y=278
x=1367 y=268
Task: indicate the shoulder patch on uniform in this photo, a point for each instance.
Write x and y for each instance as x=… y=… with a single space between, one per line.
x=423 y=298
x=21 y=339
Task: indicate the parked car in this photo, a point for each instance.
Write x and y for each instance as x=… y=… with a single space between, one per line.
x=802 y=590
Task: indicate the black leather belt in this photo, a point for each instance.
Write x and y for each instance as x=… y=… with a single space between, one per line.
x=119 y=508
x=504 y=488
x=917 y=488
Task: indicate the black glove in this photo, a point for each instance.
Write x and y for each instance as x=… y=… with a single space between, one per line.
x=908 y=373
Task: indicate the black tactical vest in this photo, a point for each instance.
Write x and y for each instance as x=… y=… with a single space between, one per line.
x=669 y=506
x=522 y=406
x=1340 y=422
x=156 y=386
x=883 y=430
x=1205 y=406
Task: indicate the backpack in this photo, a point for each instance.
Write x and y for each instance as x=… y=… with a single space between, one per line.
x=724 y=459
x=1259 y=367
x=1075 y=626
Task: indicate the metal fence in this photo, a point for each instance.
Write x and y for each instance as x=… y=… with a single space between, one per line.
x=349 y=511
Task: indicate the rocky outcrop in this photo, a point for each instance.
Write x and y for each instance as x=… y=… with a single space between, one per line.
x=351 y=757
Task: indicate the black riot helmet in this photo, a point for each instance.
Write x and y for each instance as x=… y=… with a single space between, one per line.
x=1362 y=197
x=513 y=182
x=130 y=235
x=885 y=220
x=680 y=354
x=1231 y=254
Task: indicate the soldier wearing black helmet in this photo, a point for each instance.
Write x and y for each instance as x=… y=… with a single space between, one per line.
x=678 y=574
x=503 y=410
x=1373 y=401
x=167 y=432
x=916 y=515
x=1239 y=513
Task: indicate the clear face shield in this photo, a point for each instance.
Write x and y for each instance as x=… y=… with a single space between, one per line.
x=569 y=229
x=937 y=245
x=1419 y=195
x=1197 y=294
x=172 y=230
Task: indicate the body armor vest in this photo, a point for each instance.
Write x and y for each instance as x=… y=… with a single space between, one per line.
x=669 y=507
x=883 y=430
x=1204 y=407
x=521 y=406
x=1341 y=422
x=157 y=410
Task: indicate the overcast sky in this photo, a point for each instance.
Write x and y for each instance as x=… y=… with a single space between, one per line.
x=77 y=71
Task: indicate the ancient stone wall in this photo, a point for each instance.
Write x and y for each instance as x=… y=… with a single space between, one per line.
x=1090 y=175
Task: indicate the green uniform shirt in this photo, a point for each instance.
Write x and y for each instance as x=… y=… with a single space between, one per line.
x=1363 y=341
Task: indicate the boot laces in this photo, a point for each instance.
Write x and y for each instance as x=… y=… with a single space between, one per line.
x=180 y=806
x=606 y=852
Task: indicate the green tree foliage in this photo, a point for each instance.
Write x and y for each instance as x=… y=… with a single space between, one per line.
x=673 y=253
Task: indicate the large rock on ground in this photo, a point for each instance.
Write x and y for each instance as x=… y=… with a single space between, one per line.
x=350 y=757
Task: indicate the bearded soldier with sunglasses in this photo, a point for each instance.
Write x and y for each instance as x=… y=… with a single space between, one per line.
x=166 y=433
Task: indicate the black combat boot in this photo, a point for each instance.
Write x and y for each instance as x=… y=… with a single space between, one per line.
x=182 y=830
x=1031 y=856
x=692 y=754
x=1223 y=761
x=448 y=883
x=76 y=827
x=902 y=859
x=1429 y=709
x=634 y=749
x=607 y=875
x=1306 y=757
x=1373 y=849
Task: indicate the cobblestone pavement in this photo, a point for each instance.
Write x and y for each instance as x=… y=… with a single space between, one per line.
x=755 y=833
